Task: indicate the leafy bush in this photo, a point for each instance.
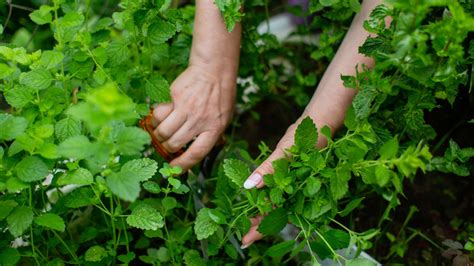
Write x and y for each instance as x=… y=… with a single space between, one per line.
x=79 y=185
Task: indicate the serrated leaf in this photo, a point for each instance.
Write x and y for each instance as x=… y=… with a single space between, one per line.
x=95 y=254
x=11 y=126
x=31 y=168
x=81 y=197
x=131 y=140
x=236 y=170
x=152 y=187
x=42 y=15
x=145 y=217
x=80 y=176
x=50 y=59
x=306 y=135
x=274 y=222
x=339 y=182
x=38 y=79
x=160 y=31
x=280 y=249
x=158 y=89
x=20 y=220
x=313 y=185
x=6 y=206
x=77 y=147
x=204 y=226
x=389 y=149
x=118 y=51
x=217 y=216
x=382 y=175
x=51 y=221
x=124 y=185
x=143 y=169
x=19 y=96
x=66 y=128
x=193 y=258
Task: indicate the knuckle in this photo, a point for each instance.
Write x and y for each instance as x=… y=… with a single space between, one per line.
x=197 y=153
x=266 y=167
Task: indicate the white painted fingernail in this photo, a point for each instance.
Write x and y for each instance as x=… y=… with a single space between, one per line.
x=244 y=246
x=253 y=180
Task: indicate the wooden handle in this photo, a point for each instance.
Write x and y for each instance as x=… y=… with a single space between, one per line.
x=146 y=124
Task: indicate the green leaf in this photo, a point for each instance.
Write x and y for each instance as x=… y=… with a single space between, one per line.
x=77 y=147
x=9 y=256
x=6 y=207
x=38 y=79
x=355 y=5
x=31 y=168
x=152 y=187
x=11 y=126
x=360 y=262
x=80 y=176
x=129 y=257
x=280 y=249
x=95 y=254
x=51 y=221
x=132 y=140
x=42 y=15
x=351 y=206
x=389 y=149
x=193 y=258
x=19 y=96
x=145 y=217
x=274 y=222
x=158 y=89
x=236 y=170
x=50 y=59
x=382 y=175
x=217 y=216
x=306 y=135
x=160 y=31
x=20 y=220
x=118 y=51
x=124 y=185
x=313 y=185
x=66 y=128
x=339 y=182
x=81 y=197
x=204 y=226
x=143 y=169
x=337 y=239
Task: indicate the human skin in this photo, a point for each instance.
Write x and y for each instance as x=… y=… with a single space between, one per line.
x=203 y=95
x=327 y=106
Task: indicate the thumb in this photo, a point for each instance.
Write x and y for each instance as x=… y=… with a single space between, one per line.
x=256 y=178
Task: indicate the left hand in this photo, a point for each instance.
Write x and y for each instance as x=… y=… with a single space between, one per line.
x=256 y=178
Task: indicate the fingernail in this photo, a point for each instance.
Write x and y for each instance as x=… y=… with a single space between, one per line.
x=253 y=180
x=244 y=246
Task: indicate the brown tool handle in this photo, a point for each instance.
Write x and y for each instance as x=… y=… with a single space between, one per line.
x=146 y=124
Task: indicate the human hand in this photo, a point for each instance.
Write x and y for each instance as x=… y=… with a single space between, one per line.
x=256 y=178
x=202 y=106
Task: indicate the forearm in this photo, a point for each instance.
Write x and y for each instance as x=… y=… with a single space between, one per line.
x=213 y=46
x=331 y=99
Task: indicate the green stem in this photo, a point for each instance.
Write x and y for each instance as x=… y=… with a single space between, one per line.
x=306 y=237
x=76 y=259
x=112 y=222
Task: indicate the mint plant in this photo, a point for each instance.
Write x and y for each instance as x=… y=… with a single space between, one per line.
x=80 y=183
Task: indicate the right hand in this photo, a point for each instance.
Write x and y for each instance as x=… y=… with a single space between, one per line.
x=202 y=106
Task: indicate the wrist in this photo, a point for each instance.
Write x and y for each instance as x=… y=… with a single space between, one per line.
x=221 y=70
